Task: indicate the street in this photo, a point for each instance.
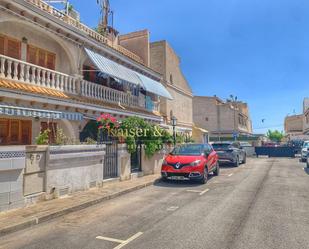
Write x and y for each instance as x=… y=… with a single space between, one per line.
x=262 y=204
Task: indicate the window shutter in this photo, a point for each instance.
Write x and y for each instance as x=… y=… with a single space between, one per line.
x=32 y=55
x=41 y=58
x=13 y=49
x=14 y=131
x=1 y=45
x=51 y=59
x=4 y=131
x=26 y=127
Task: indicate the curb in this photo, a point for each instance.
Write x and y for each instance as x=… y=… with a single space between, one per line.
x=40 y=219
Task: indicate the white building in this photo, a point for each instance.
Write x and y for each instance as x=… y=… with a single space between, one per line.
x=55 y=72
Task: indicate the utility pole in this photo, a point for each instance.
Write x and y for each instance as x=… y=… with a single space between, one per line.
x=234 y=105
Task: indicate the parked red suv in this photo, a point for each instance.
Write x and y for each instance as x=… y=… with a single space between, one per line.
x=190 y=162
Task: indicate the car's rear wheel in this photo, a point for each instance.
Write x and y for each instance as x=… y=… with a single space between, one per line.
x=205 y=176
x=236 y=163
x=217 y=170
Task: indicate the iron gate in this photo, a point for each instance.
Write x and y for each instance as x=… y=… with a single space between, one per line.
x=136 y=159
x=110 y=167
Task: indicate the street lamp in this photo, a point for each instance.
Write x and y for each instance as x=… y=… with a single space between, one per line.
x=174 y=123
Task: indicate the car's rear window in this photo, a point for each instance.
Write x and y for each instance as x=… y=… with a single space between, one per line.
x=221 y=146
x=306 y=144
x=189 y=149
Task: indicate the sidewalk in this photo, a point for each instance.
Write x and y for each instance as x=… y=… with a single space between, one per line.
x=18 y=219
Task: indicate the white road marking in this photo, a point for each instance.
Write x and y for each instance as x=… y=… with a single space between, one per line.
x=135 y=236
x=110 y=239
x=204 y=191
x=194 y=191
x=230 y=175
x=122 y=243
x=172 y=208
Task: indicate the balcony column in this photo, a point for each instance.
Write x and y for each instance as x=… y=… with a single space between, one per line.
x=77 y=83
x=24 y=49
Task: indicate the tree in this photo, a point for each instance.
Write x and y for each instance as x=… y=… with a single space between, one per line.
x=275 y=136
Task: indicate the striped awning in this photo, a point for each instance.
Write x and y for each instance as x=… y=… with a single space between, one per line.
x=112 y=68
x=117 y=71
x=153 y=86
x=21 y=111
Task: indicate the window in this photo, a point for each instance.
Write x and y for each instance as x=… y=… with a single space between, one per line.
x=1 y=45
x=10 y=47
x=15 y=132
x=41 y=57
x=171 y=78
x=89 y=73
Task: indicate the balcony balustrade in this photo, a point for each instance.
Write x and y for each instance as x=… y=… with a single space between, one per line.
x=18 y=70
x=82 y=27
x=99 y=92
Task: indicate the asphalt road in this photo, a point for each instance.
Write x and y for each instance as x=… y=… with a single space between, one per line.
x=263 y=204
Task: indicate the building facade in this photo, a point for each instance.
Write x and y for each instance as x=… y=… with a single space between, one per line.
x=293 y=126
x=57 y=73
x=164 y=60
x=221 y=118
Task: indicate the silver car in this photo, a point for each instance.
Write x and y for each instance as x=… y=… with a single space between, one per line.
x=304 y=151
x=230 y=152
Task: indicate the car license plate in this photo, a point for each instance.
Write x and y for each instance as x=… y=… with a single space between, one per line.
x=177 y=177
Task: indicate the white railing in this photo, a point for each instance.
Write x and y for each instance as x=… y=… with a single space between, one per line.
x=99 y=92
x=13 y=69
x=90 y=32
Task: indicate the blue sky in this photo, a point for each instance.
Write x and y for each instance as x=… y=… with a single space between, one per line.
x=254 y=49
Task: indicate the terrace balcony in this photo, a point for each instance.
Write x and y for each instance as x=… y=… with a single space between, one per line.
x=33 y=75
x=84 y=28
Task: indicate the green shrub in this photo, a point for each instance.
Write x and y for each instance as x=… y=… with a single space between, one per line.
x=42 y=138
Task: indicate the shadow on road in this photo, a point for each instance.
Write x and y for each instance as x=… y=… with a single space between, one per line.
x=179 y=184
x=227 y=165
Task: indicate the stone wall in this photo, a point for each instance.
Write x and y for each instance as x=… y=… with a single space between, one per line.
x=74 y=168
x=217 y=116
x=152 y=165
x=124 y=162
x=138 y=43
x=164 y=60
x=294 y=123
x=32 y=173
x=12 y=164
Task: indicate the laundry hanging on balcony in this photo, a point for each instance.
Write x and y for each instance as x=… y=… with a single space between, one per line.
x=120 y=72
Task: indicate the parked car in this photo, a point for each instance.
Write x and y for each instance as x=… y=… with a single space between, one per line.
x=190 y=162
x=230 y=152
x=304 y=151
